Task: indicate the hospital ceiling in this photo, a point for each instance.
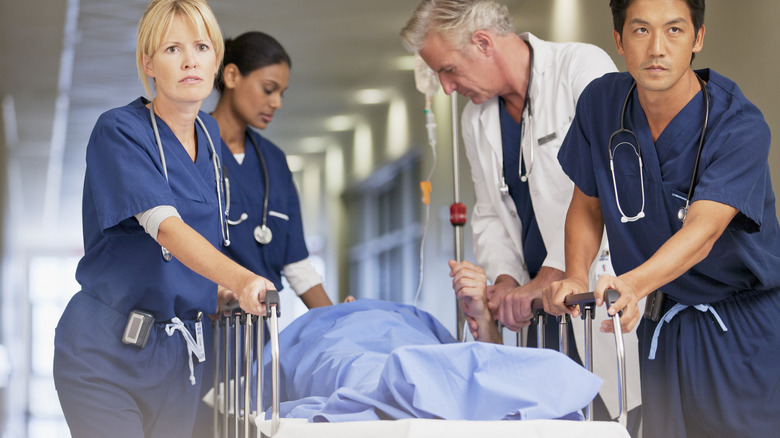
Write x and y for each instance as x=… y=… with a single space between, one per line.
x=64 y=62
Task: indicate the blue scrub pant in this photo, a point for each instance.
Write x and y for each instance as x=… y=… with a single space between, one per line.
x=107 y=388
x=705 y=382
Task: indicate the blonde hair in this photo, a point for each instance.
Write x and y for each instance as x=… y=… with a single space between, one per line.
x=455 y=21
x=156 y=22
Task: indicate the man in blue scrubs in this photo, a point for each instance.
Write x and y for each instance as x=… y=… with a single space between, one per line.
x=708 y=364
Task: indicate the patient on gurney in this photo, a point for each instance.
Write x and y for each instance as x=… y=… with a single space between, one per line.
x=371 y=360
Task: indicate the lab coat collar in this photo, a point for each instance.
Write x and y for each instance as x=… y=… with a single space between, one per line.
x=489 y=116
x=542 y=63
x=489 y=119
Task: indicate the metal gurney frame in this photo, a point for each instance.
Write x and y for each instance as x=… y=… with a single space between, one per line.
x=228 y=407
x=241 y=419
x=587 y=303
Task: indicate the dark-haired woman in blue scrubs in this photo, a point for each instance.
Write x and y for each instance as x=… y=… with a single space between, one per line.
x=268 y=233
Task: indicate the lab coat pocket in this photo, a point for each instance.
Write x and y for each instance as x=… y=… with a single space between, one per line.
x=545 y=162
x=553 y=139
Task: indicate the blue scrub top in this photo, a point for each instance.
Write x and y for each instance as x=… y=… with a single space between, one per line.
x=733 y=170
x=247 y=188
x=122 y=265
x=534 y=251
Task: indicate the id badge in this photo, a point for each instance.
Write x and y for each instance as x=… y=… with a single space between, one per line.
x=201 y=350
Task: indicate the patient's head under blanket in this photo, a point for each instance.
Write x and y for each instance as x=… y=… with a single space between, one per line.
x=369 y=360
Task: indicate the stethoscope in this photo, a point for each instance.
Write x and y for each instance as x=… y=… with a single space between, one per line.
x=166 y=255
x=504 y=187
x=526 y=121
x=683 y=211
x=262 y=233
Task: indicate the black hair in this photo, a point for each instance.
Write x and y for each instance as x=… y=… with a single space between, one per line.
x=619 y=8
x=251 y=51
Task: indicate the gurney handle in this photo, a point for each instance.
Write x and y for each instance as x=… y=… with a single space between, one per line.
x=248 y=345
x=233 y=308
x=537 y=308
x=230 y=308
x=581 y=299
x=272 y=302
x=587 y=303
x=611 y=296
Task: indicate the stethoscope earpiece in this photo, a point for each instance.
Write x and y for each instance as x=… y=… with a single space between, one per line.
x=625 y=219
x=241 y=218
x=503 y=188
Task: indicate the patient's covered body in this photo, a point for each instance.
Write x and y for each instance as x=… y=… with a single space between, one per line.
x=371 y=360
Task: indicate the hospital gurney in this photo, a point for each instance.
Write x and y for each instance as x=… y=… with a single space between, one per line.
x=587 y=304
x=233 y=380
x=293 y=427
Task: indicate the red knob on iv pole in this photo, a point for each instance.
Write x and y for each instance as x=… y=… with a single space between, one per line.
x=457 y=214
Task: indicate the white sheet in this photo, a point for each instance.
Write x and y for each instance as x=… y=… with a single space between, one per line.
x=425 y=428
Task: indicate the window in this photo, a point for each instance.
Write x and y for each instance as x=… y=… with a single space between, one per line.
x=52 y=282
x=384 y=212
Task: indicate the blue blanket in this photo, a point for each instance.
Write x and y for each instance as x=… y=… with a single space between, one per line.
x=370 y=360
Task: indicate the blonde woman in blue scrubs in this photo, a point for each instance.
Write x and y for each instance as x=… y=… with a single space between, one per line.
x=141 y=194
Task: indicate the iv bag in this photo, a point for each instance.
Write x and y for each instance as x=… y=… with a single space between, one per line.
x=425 y=79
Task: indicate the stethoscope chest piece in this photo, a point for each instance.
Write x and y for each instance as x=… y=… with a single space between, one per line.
x=166 y=255
x=681 y=213
x=263 y=234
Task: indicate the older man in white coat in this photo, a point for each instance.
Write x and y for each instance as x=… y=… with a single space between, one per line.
x=523 y=95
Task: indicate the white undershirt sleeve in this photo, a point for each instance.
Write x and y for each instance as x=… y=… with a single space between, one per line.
x=151 y=219
x=301 y=276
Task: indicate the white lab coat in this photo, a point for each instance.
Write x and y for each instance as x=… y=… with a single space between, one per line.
x=560 y=72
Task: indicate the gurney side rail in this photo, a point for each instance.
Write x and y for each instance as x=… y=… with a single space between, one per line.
x=587 y=303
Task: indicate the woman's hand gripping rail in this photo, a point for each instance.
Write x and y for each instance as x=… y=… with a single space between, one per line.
x=198 y=254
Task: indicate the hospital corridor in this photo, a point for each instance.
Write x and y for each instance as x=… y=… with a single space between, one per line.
x=364 y=163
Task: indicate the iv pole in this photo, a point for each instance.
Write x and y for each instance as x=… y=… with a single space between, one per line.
x=427 y=82
x=457 y=213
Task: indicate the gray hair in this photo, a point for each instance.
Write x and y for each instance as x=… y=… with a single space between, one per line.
x=455 y=21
